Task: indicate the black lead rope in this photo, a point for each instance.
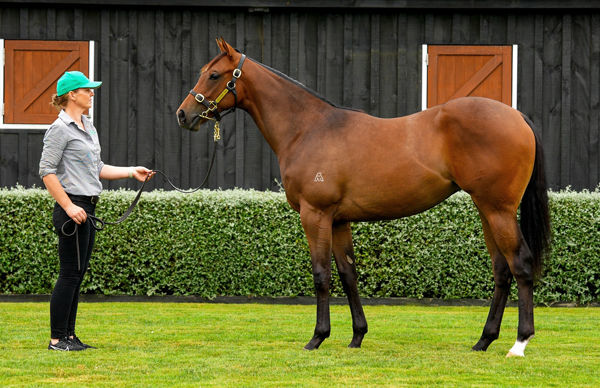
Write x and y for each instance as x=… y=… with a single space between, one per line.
x=99 y=224
x=210 y=166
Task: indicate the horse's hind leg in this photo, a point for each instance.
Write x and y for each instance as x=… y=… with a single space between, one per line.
x=343 y=251
x=509 y=240
x=502 y=280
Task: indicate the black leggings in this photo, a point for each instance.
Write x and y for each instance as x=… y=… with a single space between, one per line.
x=65 y=297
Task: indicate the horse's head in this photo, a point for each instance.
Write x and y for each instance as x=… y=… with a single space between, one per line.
x=215 y=92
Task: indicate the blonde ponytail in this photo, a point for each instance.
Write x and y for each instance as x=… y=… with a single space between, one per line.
x=59 y=102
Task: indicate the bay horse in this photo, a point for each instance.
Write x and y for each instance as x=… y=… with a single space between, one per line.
x=340 y=165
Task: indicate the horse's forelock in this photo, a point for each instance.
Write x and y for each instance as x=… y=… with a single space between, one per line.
x=211 y=63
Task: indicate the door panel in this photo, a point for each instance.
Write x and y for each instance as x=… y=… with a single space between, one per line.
x=460 y=71
x=31 y=72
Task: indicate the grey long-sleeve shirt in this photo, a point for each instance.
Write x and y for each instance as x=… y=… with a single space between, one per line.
x=73 y=154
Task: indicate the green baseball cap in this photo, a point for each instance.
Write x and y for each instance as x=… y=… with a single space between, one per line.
x=72 y=80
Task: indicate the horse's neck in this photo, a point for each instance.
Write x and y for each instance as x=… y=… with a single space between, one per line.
x=282 y=111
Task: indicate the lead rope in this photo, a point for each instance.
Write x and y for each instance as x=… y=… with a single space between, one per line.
x=99 y=224
x=212 y=161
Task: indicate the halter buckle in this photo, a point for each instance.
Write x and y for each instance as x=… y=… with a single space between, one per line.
x=199 y=97
x=205 y=115
x=237 y=73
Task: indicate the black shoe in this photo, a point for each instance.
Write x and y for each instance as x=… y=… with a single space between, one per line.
x=65 y=345
x=77 y=341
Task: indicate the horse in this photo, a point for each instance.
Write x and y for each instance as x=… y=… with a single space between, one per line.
x=340 y=165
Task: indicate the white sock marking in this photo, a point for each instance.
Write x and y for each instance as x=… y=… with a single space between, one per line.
x=518 y=348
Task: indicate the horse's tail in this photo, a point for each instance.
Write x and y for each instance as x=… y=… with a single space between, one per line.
x=535 y=215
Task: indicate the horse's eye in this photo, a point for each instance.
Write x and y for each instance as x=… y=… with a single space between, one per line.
x=214 y=76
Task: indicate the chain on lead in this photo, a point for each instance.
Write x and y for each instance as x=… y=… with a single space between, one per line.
x=217 y=132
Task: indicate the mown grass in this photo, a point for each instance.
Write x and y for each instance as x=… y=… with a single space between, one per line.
x=160 y=344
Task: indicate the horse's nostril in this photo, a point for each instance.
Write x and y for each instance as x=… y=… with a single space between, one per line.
x=181 y=116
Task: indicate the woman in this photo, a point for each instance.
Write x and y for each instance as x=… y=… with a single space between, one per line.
x=71 y=169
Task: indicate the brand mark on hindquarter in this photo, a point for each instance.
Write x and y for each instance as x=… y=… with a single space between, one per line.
x=319 y=177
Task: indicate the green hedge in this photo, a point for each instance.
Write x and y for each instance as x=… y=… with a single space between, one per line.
x=250 y=243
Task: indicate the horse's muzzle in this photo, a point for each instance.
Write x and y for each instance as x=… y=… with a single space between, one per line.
x=185 y=123
x=181 y=119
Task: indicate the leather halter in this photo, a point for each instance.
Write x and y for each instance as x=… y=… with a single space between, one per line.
x=212 y=106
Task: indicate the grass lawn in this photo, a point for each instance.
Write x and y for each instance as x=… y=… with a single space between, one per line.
x=181 y=344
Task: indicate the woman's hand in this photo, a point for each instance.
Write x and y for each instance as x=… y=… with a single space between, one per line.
x=76 y=213
x=141 y=173
x=113 y=172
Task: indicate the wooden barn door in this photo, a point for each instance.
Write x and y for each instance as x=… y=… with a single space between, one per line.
x=460 y=71
x=32 y=69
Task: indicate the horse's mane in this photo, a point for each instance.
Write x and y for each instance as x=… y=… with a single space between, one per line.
x=301 y=85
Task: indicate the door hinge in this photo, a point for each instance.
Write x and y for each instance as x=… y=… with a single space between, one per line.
x=426 y=59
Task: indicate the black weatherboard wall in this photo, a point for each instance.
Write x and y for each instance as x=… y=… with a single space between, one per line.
x=363 y=54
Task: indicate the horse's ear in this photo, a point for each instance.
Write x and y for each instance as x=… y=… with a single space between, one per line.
x=220 y=43
x=225 y=47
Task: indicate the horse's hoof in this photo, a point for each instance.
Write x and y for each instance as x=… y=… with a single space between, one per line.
x=479 y=348
x=356 y=342
x=518 y=349
x=313 y=344
x=482 y=344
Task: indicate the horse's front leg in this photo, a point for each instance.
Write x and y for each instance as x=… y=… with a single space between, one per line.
x=317 y=225
x=343 y=251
